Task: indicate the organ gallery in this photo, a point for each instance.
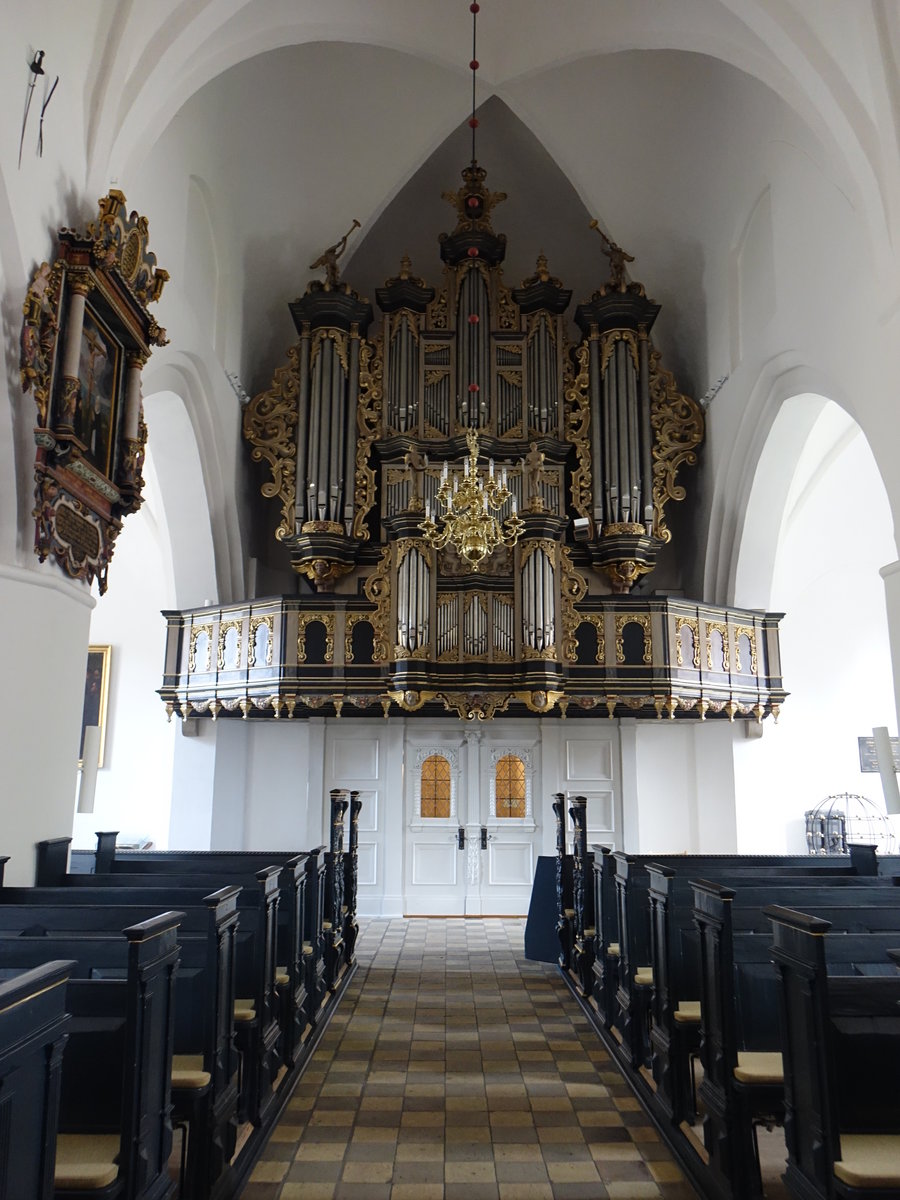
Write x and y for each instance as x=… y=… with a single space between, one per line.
x=474 y=488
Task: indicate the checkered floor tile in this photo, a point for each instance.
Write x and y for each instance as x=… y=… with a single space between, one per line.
x=454 y=1069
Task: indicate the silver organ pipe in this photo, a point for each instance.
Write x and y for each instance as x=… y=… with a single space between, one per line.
x=633 y=435
x=312 y=449
x=624 y=462
x=609 y=389
x=599 y=438
x=336 y=402
x=300 y=494
x=349 y=480
x=646 y=448
x=404 y=375
x=550 y=391
x=549 y=602
x=473 y=347
x=538 y=576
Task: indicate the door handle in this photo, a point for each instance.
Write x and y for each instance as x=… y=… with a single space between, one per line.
x=461 y=838
x=484 y=837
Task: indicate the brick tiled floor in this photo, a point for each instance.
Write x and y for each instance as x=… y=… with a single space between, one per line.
x=456 y=1070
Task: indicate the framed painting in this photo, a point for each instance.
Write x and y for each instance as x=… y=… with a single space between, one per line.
x=96 y=697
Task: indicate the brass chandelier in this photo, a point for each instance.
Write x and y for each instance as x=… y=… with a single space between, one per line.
x=466 y=503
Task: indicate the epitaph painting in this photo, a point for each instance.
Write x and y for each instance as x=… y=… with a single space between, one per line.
x=86 y=336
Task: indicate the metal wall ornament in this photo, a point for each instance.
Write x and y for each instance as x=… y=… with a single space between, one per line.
x=86 y=336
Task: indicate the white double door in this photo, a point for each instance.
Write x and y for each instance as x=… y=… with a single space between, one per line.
x=470 y=861
x=472 y=858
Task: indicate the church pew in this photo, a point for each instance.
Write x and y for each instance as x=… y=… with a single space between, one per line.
x=606 y=965
x=674 y=957
x=632 y=886
x=115 y=1132
x=256 y=1010
x=841 y=1050
x=301 y=959
x=204 y=1080
x=740 y=1037
x=33 y=1031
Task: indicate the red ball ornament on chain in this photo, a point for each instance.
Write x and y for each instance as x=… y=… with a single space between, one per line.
x=474 y=8
x=474 y=64
x=474 y=318
x=472 y=252
x=473 y=122
x=473 y=387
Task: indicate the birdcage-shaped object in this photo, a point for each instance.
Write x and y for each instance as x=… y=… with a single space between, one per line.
x=846 y=819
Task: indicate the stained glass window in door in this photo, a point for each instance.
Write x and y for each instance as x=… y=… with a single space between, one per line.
x=510 y=787
x=435 y=786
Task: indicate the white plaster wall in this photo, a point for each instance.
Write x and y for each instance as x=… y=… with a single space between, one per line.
x=835 y=647
x=278 y=800
x=682 y=792
x=134 y=786
x=46 y=622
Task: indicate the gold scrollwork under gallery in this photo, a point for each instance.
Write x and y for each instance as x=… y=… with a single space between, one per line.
x=693 y=625
x=631 y=618
x=721 y=628
x=307 y=618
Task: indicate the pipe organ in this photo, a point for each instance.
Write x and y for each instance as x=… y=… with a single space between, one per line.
x=581 y=442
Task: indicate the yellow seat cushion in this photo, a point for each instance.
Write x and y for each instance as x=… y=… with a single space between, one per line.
x=307 y=948
x=569 y=912
x=869 y=1160
x=282 y=977
x=590 y=931
x=187 y=1072
x=244 y=1010
x=613 y=950
x=326 y=924
x=759 y=1066
x=86 y=1160
x=643 y=976
x=687 y=1012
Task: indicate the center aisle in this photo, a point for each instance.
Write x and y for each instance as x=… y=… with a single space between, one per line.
x=456 y=1070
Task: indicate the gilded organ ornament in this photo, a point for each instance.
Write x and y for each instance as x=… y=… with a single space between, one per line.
x=475 y=475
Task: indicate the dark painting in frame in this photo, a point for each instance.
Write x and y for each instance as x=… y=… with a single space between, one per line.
x=96 y=698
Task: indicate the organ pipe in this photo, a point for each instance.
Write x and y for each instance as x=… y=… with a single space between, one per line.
x=350 y=434
x=302 y=430
x=646 y=447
